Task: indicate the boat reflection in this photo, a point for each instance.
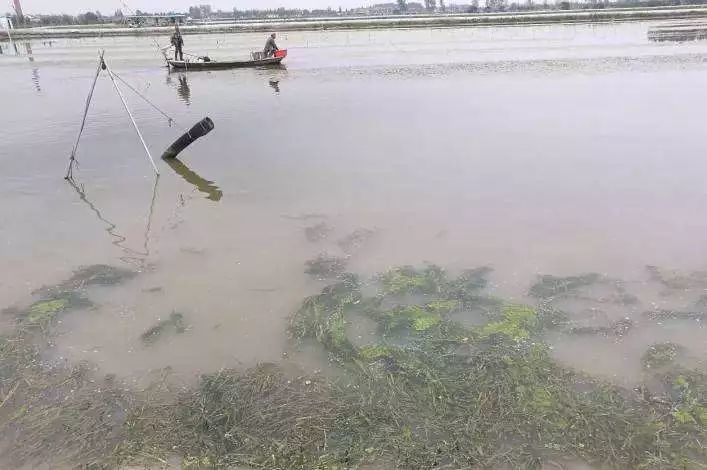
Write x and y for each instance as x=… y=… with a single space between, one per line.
x=183 y=89
x=212 y=191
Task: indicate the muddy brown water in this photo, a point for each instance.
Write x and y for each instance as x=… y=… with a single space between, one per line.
x=556 y=149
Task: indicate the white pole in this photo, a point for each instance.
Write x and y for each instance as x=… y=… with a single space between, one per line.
x=85 y=114
x=132 y=119
x=88 y=103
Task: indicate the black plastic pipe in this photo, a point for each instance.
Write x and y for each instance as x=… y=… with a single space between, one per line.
x=201 y=128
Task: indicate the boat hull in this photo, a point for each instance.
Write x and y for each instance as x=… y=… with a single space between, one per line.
x=219 y=65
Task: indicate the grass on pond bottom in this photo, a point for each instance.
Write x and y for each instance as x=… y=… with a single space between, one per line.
x=444 y=396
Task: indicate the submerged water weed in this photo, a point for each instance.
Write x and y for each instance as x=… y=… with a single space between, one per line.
x=53 y=413
x=412 y=316
x=321 y=317
x=318 y=232
x=356 y=240
x=325 y=267
x=618 y=328
x=690 y=396
x=667 y=315
x=174 y=324
x=552 y=286
x=660 y=355
x=44 y=311
x=89 y=276
x=444 y=397
x=408 y=280
x=678 y=281
x=517 y=405
x=518 y=323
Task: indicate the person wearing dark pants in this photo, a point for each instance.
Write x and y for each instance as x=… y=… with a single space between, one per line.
x=178 y=44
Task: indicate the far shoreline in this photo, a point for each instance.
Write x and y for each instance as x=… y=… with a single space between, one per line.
x=334 y=24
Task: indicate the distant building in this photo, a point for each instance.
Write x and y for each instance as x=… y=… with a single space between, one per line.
x=137 y=21
x=386 y=9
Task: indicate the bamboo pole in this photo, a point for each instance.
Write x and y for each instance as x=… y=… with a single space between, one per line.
x=132 y=119
x=69 y=172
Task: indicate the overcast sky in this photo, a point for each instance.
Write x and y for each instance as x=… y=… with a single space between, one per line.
x=109 y=6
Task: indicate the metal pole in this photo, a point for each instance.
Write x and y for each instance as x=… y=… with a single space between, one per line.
x=85 y=114
x=132 y=119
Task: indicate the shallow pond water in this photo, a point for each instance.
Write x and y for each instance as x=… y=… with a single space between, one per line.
x=560 y=149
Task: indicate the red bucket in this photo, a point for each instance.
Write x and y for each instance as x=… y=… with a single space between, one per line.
x=281 y=54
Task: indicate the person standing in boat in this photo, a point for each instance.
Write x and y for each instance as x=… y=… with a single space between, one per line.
x=178 y=43
x=270 y=46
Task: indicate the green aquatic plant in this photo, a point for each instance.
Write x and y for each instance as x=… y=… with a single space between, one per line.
x=91 y=276
x=412 y=316
x=374 y=352
x=408 y=280
x=44 y=311
x=690 y=394
x=518 y=322
x=446 y=396
x=321 y=316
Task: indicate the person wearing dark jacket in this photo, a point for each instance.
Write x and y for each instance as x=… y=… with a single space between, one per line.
x=270 y=46
x=178 y=43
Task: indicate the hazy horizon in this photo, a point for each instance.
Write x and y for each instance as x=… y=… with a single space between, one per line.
x=109 y=6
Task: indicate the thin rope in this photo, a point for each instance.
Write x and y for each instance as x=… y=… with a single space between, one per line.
x=170 y=118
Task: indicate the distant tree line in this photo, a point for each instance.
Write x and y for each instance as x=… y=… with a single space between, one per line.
x=205 y=11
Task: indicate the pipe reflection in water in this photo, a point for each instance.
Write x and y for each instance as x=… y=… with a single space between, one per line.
x=134 y=257
x=35 y=79
x=212 y=191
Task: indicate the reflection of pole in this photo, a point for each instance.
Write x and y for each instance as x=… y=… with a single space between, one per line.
x=132 y=119
x=9 y=34
x=111 y=229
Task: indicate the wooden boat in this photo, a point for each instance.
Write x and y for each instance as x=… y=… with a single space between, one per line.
x=256 y=61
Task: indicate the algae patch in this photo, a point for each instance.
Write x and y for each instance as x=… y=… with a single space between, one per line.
x=518 y=323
